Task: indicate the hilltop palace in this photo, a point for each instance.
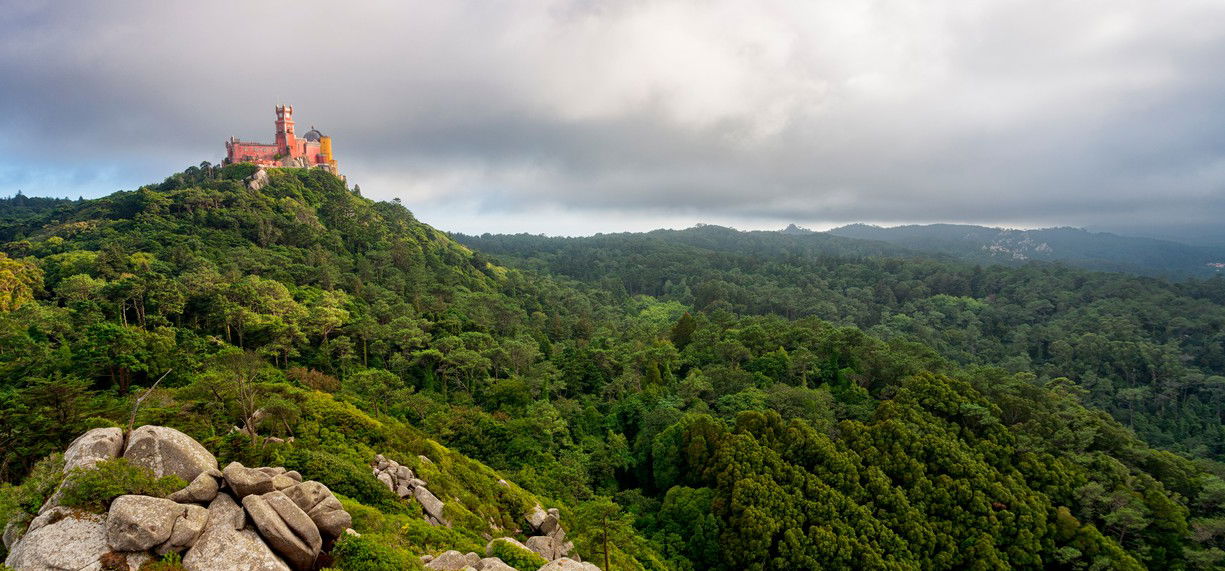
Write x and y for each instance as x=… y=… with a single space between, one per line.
x=312 y=151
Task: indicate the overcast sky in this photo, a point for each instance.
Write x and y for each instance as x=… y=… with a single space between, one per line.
x=574 y=117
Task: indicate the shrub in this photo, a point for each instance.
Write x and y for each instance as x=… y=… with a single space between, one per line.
x=313 y=379
x=343 y=477
x=517 y=557
x=169 y=562
x=31 y=494
x=94 y=488
x=360 y=553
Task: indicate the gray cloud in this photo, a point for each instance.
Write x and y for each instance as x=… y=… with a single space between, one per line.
x=581 y=116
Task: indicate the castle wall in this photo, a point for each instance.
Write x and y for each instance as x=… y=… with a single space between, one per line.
x=238 y=152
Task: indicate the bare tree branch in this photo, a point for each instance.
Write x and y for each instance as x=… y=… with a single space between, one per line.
x=142 y=397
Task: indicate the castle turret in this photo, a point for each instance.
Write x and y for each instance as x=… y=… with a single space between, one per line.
x=325 y=150
x=286 y=144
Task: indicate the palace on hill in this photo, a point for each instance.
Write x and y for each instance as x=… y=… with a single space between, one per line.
x=314 y=150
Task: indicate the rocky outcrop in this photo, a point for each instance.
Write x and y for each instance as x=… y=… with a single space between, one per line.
x=202 y=490
x=93 y=447
x=71 y=543
x=453 y=561
x=288 y=530
x=12 y=532
x=401 y=480
x=493 y=564
x=258 y=180
x=228 y=544
x=244 y=481
x=321 y=506
x=492 y=546
x=280 y=525
x=567 y=564
x=186 y=531
x=549 y=540
x=140 y=523
x=167 y=451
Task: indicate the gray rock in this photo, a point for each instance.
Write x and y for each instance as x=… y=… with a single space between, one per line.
x=429 y=503
x=139 y=523
x=49 y=517
x=549 y=524
x=13 y=531
x=71 y=543
x=201 y=490
x=453 y=561
x=550 y=547
x=564 y=564
x=321 y=506
x=403 y=491
x=187 y=529
x=493 y=564
x=281 y=482
x=92 y=447
x=489 y=547
x=258 y=180
x=52 y=501
x=415 y=483
x=536 y=517
x=225 y=512
x=403 y=473
x=544 y=546
x=226 y=545
x=133 y=559
x=272 y=470
x=294 y=475
x=167 y=451
x=425 y=459
x=590 y=566
x=245 y=481
x=385 y=478
x=286 y=528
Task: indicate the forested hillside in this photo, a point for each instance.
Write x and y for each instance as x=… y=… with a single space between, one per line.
x=694 y=400
x=1074 y=246
x=1151 y=352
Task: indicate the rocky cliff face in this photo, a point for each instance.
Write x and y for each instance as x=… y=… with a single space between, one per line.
x=236 y=519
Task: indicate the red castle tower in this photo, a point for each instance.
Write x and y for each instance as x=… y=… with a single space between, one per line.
x=284 y=131
x=313 y=150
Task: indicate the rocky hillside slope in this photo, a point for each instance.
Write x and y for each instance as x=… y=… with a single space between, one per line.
x=237 y=518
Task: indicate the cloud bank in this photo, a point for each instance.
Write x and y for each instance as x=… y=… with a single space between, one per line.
x=570 y=117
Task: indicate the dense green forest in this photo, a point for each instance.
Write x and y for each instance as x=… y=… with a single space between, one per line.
x=703 y=399
x=1074 y=246
x=1149 y=351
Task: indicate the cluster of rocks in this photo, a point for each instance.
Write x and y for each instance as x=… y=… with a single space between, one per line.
x=549 y=539
x=456 y=561
x=257 y=180
x=256 y=518
x=549 y=543
x=400 y=479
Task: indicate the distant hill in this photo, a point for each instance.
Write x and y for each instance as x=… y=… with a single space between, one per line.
x=1075 y=246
